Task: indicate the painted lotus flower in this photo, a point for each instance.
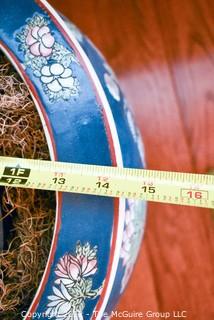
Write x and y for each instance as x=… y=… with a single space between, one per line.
x=68 y=270
x=56 y=77
x=71 y=269
x=60 y=305
x=75 y=285
x=88 y=267
x=40 y=41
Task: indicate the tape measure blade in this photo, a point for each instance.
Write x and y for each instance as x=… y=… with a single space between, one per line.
x=151 y=185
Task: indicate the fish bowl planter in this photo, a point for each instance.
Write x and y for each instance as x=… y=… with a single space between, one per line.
x=86 y=119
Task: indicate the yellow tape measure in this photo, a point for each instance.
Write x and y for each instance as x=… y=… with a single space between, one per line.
x=160 y=186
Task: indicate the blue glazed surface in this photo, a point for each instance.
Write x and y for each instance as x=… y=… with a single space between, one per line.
x=80 y=135
x=133 y=157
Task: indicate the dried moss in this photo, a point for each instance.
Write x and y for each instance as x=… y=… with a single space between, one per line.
x=31 y=212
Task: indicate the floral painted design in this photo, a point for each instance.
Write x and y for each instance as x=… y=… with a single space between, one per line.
x=135 y=131
x=112 y=86
x=49 y=60
x=74 y=284
x=56 y=78
x=74 y=30
x=133 y=231
x=40 y=41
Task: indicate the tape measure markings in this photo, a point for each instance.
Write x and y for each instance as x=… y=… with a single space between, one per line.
x=151 y=185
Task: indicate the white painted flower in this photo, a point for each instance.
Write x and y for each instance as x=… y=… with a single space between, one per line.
x=74 y=284
x=60 y=305
x=108 y=68
x=112 y=86
x=40 y=41
x=56 y=77
x=130 y=119
x=127 y=275
x=134 y=226
x=128 y=234
x=74 y=30
x=140 y=146
x=135 y=131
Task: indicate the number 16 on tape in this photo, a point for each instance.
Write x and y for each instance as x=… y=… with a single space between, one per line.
x=194 y=194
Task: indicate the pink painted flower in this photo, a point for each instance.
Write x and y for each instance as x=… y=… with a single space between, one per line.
x=88 y=266
x=40 y=41
x=68 y=270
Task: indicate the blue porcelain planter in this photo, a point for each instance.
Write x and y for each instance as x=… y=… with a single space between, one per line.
x=86 y=119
